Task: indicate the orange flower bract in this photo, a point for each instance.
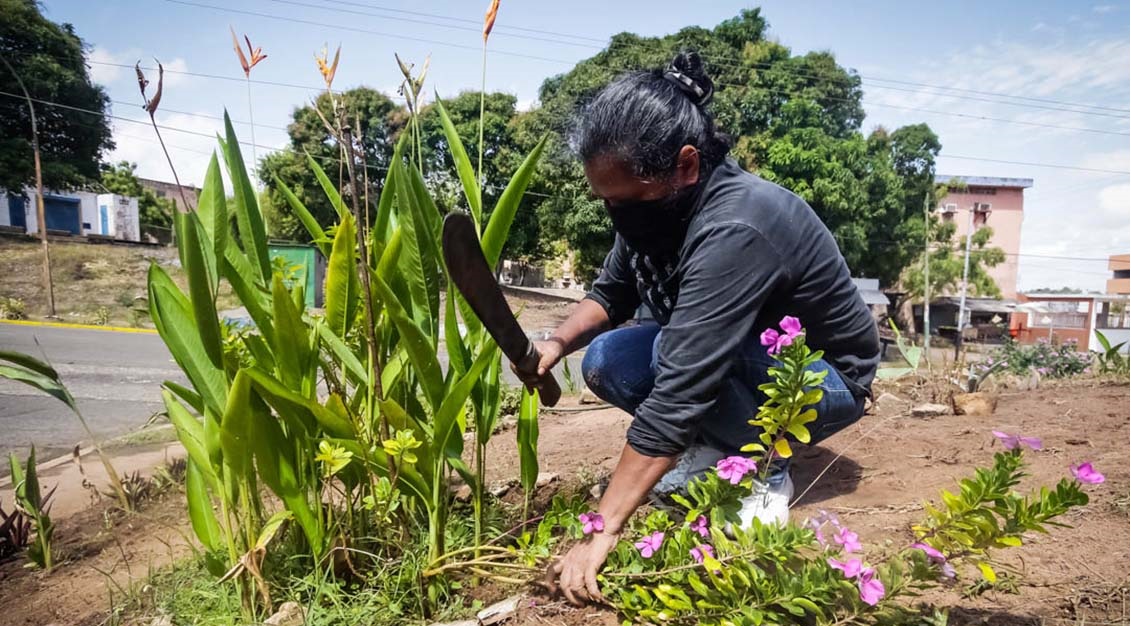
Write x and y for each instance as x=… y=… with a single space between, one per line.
x=489 y=19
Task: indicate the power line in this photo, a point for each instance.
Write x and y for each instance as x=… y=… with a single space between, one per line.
x=1031 y=164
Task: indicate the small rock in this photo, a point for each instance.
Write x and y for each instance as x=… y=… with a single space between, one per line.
x=289 y=614
x=463 y=494
x=930 y=410
x=596 y=491
x=545 y=478
x=499 y=490
x=587 y=397
x=888 y=400
x=499 y=611
x=975 y=404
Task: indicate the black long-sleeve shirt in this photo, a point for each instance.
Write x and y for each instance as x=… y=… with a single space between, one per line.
x=753 y=253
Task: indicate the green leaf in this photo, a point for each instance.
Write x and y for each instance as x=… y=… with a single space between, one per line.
x=421 y=260
x=528 y=439
x=201 y=515
x=448 y=436
x=317 y=235
x=251 y=292
x=453 y=341
x=466 y=172
x=384 y=221
x=343 y=354
x=201 y=279
x=305 y=411
x=190 y=432
x=421 y=351
x=271 y=528
x=988 y=572
x=342 y=283
x=212 y=210
x=253 y=234
x=327 y=187
x=33 y=372
x=499 y=226
x=235 y=427
x=781 y=446
x=292 y=339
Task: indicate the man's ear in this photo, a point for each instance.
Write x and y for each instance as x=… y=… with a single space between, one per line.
x=687 y=166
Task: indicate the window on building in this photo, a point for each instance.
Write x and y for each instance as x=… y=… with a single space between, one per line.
x=1058 y=320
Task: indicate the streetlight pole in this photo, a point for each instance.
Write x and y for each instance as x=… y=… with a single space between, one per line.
x=48 y=286
x=927 y=276
x=965 y=279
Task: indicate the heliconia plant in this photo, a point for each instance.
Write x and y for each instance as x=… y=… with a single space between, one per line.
x=348 y=416
x=31 y=502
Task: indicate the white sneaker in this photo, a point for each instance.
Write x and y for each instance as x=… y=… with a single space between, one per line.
x=768 y=502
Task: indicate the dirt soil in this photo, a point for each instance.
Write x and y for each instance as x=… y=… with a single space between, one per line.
x=891 y=463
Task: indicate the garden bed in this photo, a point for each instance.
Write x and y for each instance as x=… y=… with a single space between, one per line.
x=891 y=464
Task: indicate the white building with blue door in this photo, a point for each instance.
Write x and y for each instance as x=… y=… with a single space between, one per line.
x=78 y=213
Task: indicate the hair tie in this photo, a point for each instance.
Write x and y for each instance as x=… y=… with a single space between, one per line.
x=687 y=85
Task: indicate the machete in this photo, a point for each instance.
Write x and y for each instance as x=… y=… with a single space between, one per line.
x=468 y=269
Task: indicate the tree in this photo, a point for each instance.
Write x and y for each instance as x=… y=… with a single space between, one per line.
x=152 y=211
x=947 y=257
x=380 y=124
x=796 y=121
x=49 y=60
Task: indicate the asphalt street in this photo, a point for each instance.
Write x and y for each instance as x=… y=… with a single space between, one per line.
x=115 y=378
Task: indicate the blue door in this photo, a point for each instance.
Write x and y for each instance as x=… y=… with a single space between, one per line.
x=62 y=214
x=104 y=214
x=16 y=215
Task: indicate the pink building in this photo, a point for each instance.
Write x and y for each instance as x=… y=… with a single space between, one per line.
x=997 y=203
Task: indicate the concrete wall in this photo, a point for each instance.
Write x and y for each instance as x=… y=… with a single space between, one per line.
x=1118 y=265
x=88 y=206
x=1005 y=218
x=5 y=220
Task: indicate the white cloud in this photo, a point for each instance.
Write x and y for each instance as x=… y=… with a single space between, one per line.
x=108 y=67
x=100 y=72
x=1104 y=8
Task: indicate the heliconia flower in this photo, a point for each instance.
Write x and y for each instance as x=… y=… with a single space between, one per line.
x=936 y=557
x=328 y=70
x=1013 y=441
x=1085 y=473
x=256 y=54
x=650 y=544
x=871 y=589
x=591 y=522
x=702 y=550
x=700 y=526
x=489 y=19
x=848 y=540
x=850 y=568
x=734 y=468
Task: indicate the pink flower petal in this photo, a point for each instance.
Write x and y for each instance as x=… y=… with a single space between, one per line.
x=931 y=552
x=769 y=337
x=1085 y=473
x=791 y=325
x=848 y=540
x=871 y=589
x=851 y=568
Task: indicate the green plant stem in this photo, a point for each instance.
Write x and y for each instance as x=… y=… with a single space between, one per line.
x=251 y=122
x=482 y=114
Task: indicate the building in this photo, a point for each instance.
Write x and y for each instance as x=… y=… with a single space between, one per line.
x=79 y=213
x=1120 y=267
x=997 y=203
x=1075 y=317
x=170 y=190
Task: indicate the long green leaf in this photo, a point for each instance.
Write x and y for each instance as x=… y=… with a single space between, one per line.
x=32 y=496
x=235 y=427
x=212 y=210
x=190 y=432
x=384 y=222
x=327 y=187
x=448 y=429
x=464 y=168
x=201 y=294
x=286 y=402
x=343 y=354
x=453 y=341
x=253 y=233
x=292 y=338
x=317 y=235
x=201 y=515
x=416 y=266
x=172 y=314
x=275 y=460
x=36 y=373
x=499 y=226
x=342 y=283
x=421 y=351
x=528 y=440
x=247 y=287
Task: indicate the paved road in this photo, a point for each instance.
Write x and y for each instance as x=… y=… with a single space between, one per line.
x=115 y=377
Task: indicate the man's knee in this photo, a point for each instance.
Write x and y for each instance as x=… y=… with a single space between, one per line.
x=597 y=364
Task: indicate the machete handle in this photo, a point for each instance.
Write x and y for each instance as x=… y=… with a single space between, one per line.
x=548 y=390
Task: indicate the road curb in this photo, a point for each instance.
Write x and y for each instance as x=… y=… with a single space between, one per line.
x=116 y=329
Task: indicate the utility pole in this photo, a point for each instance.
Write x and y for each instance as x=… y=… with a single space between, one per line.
x=48 y=286
x=965 y=278
x=927 y=276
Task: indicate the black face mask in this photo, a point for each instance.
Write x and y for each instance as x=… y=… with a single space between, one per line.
x=654 y=224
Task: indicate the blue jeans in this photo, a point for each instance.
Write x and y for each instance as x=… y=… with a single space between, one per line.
x=620 y=368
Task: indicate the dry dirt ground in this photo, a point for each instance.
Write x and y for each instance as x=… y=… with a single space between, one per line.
x=891 y=463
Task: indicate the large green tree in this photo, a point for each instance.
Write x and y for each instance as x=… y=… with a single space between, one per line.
x=121 y=179
x=381 y=121
x=795 y=119
x=947 y=258
x=48 y=58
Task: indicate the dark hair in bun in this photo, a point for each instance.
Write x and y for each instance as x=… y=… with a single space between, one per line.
x=644 y=118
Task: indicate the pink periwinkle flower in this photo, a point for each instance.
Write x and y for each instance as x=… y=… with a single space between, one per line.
x=850 y=568
x=702 y=551
x=1011 y=442
x=650 y=544
x=871 y=589
x=1085 y=473
x=700 y=526
x=848 y=540
x=775 y=341
x=591 y=522
x=816 y=527
x=734 y=468
x=936 y=557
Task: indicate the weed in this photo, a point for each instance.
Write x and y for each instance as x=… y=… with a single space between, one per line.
x=12 y=308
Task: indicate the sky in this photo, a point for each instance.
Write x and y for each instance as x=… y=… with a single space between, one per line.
x=1048 y=73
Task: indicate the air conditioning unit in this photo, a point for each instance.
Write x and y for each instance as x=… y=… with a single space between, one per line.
x=981 y=207
x=948 y=208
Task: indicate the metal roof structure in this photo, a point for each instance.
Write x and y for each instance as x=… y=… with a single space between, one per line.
x=985 y=181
